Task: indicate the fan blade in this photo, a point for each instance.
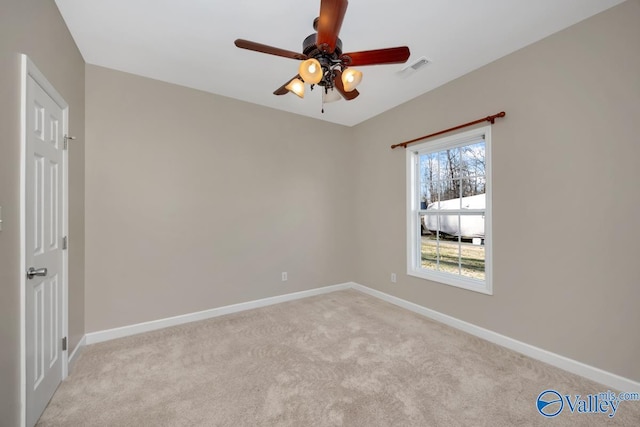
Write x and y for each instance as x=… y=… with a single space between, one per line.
x=282 y=90
x=329 y=23
x=392 y=55
x=246 y=44
x=337 y=83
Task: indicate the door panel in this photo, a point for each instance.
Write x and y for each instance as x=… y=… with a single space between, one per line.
x=44 y=204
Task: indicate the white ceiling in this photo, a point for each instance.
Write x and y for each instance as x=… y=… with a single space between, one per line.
x=190 y=43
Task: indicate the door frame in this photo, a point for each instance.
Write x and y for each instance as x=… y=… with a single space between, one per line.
x=30 y=70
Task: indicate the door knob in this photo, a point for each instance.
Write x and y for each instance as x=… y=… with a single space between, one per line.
x=32 y=272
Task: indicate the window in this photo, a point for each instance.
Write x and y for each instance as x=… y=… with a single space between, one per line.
x=449 y=210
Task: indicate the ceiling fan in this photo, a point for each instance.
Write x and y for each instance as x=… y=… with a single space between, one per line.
x=323 y=62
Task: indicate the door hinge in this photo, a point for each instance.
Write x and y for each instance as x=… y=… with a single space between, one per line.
x=68 y=138
x=65 y=242
x=64 y=343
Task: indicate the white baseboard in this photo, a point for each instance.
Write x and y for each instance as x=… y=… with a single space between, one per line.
x=609 y=379
x=124 y=331
x=73 y=357
x=598 y=375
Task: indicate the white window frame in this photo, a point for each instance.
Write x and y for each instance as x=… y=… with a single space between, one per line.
x=414 y=267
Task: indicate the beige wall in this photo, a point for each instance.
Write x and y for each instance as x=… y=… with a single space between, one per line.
x=196 y=201
x=35 y=27
x=566 y=199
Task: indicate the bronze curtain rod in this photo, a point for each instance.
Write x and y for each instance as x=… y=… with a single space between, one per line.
x=491 y=119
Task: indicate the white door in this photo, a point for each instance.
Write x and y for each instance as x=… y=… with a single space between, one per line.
x=44 y=290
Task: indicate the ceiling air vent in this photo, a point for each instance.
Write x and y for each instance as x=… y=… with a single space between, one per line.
x=413 y=67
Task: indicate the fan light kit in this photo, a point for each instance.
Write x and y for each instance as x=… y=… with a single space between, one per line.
x=323 y=62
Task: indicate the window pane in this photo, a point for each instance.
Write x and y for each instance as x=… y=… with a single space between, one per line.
x=448 y=244
x=428 y=179
x=473 y=159
x=473 y=187
x=440 y=251
x=429 y=252
x=473 y=260
x=449 y=164
x=471 y=226
x=449 y=195
x=428 y=224
x=449 y=257
x=431 y=239
x=449 y=226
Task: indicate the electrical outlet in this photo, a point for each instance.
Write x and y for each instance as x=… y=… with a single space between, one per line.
x=284 y=276
x=393 y=278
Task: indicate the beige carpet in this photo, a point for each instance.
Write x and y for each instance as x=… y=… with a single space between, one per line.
x=343 y=358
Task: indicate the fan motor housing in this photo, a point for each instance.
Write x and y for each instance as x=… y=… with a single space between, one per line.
x=310 y=48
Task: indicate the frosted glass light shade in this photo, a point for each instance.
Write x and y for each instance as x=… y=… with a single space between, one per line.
x=330 y=96
x=296 y=86
x=351 y=78
x=310 y=71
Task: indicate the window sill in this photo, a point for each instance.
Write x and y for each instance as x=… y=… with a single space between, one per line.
x=483 y=287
